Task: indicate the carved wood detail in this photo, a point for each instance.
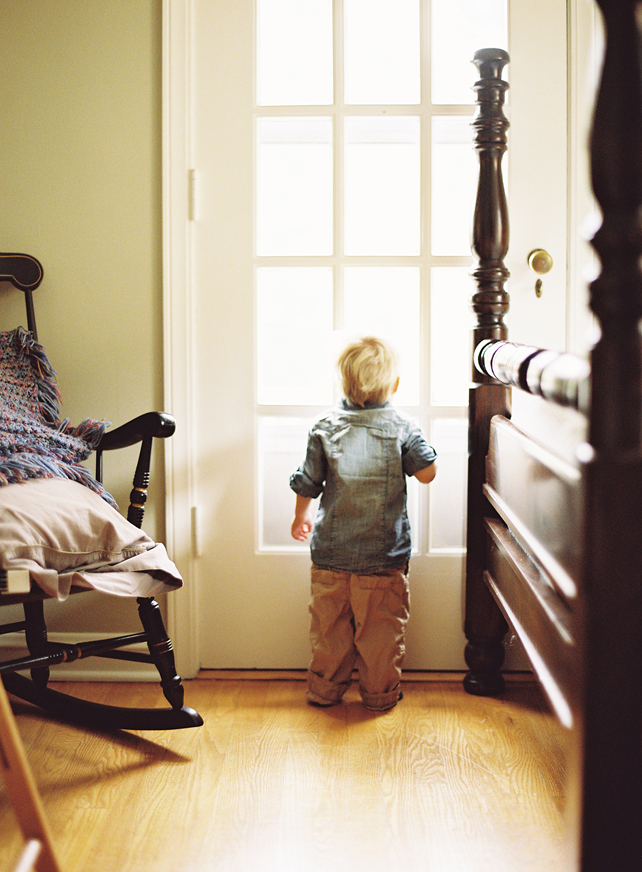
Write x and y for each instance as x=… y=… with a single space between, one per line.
x=490 y=220
x=484 y=624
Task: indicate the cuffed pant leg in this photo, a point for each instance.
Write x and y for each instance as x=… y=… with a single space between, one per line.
x=331 y=637
x=381 y=606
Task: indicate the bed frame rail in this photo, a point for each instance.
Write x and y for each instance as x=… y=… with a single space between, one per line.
x=559 y=377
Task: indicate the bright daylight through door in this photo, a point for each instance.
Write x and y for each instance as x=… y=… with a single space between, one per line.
x=365 y=179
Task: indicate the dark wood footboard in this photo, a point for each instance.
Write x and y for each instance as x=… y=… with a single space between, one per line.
x=555 y=545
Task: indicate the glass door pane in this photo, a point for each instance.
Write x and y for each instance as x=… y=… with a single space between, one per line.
x=382 y=185
x=294 y=186
x=448 y=490
x=281 y=443
x=453 y=185
x=294 y=52
x=384 y=301
x=294 y=315
x=459 y=28
x=450 y=321
x=382 y=51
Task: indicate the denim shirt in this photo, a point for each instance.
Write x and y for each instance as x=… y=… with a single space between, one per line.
x=357 y=459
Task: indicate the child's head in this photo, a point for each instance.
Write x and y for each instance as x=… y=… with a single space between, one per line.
x=369 y=370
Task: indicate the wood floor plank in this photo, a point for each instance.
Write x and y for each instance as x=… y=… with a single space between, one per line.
x=443 y=782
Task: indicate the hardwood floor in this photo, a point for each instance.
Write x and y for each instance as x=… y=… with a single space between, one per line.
x=442 y=783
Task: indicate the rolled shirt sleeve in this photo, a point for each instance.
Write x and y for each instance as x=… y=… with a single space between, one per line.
x=309 y=479
x=416 y=453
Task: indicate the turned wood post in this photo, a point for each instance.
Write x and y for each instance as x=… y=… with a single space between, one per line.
x=484 y=624
x=490 y=219
x=607 y=795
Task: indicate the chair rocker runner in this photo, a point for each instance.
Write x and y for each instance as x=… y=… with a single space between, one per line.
x=40 y=486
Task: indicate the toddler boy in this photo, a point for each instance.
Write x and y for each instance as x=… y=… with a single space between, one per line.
x=357 y=458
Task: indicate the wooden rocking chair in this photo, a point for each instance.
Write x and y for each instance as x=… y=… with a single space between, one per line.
x=25 y=273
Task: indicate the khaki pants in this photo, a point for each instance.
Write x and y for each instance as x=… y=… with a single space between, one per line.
x=357 y=621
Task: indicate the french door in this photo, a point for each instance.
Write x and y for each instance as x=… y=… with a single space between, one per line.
x=323 y=187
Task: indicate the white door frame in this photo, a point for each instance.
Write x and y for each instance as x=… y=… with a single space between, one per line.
x=178 y=313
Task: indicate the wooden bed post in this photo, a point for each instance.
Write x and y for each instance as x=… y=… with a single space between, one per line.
x=484 y=624
x=608 y=765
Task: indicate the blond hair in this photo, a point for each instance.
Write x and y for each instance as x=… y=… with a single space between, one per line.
x=369 y=369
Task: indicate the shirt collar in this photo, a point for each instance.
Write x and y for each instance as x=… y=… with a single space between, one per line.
x=352 y=407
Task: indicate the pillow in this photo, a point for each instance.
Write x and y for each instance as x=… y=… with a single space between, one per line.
x=65 y=534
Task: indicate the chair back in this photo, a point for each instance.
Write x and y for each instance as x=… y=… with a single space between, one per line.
x=25 y=273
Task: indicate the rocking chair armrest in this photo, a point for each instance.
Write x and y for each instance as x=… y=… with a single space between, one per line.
x=144 y=429
x=151 y=425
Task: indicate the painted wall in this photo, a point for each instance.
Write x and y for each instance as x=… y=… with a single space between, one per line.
x=80 y=189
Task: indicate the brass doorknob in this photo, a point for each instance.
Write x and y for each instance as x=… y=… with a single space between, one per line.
x=540 y=261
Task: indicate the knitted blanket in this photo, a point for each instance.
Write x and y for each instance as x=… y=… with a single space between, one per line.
x=34 y=442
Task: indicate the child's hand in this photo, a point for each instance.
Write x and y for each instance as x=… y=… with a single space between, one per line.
x=303 y=519
x=301 y=528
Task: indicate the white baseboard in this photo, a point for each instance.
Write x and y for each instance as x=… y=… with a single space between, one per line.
x=91 y=669
x=301 y=675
